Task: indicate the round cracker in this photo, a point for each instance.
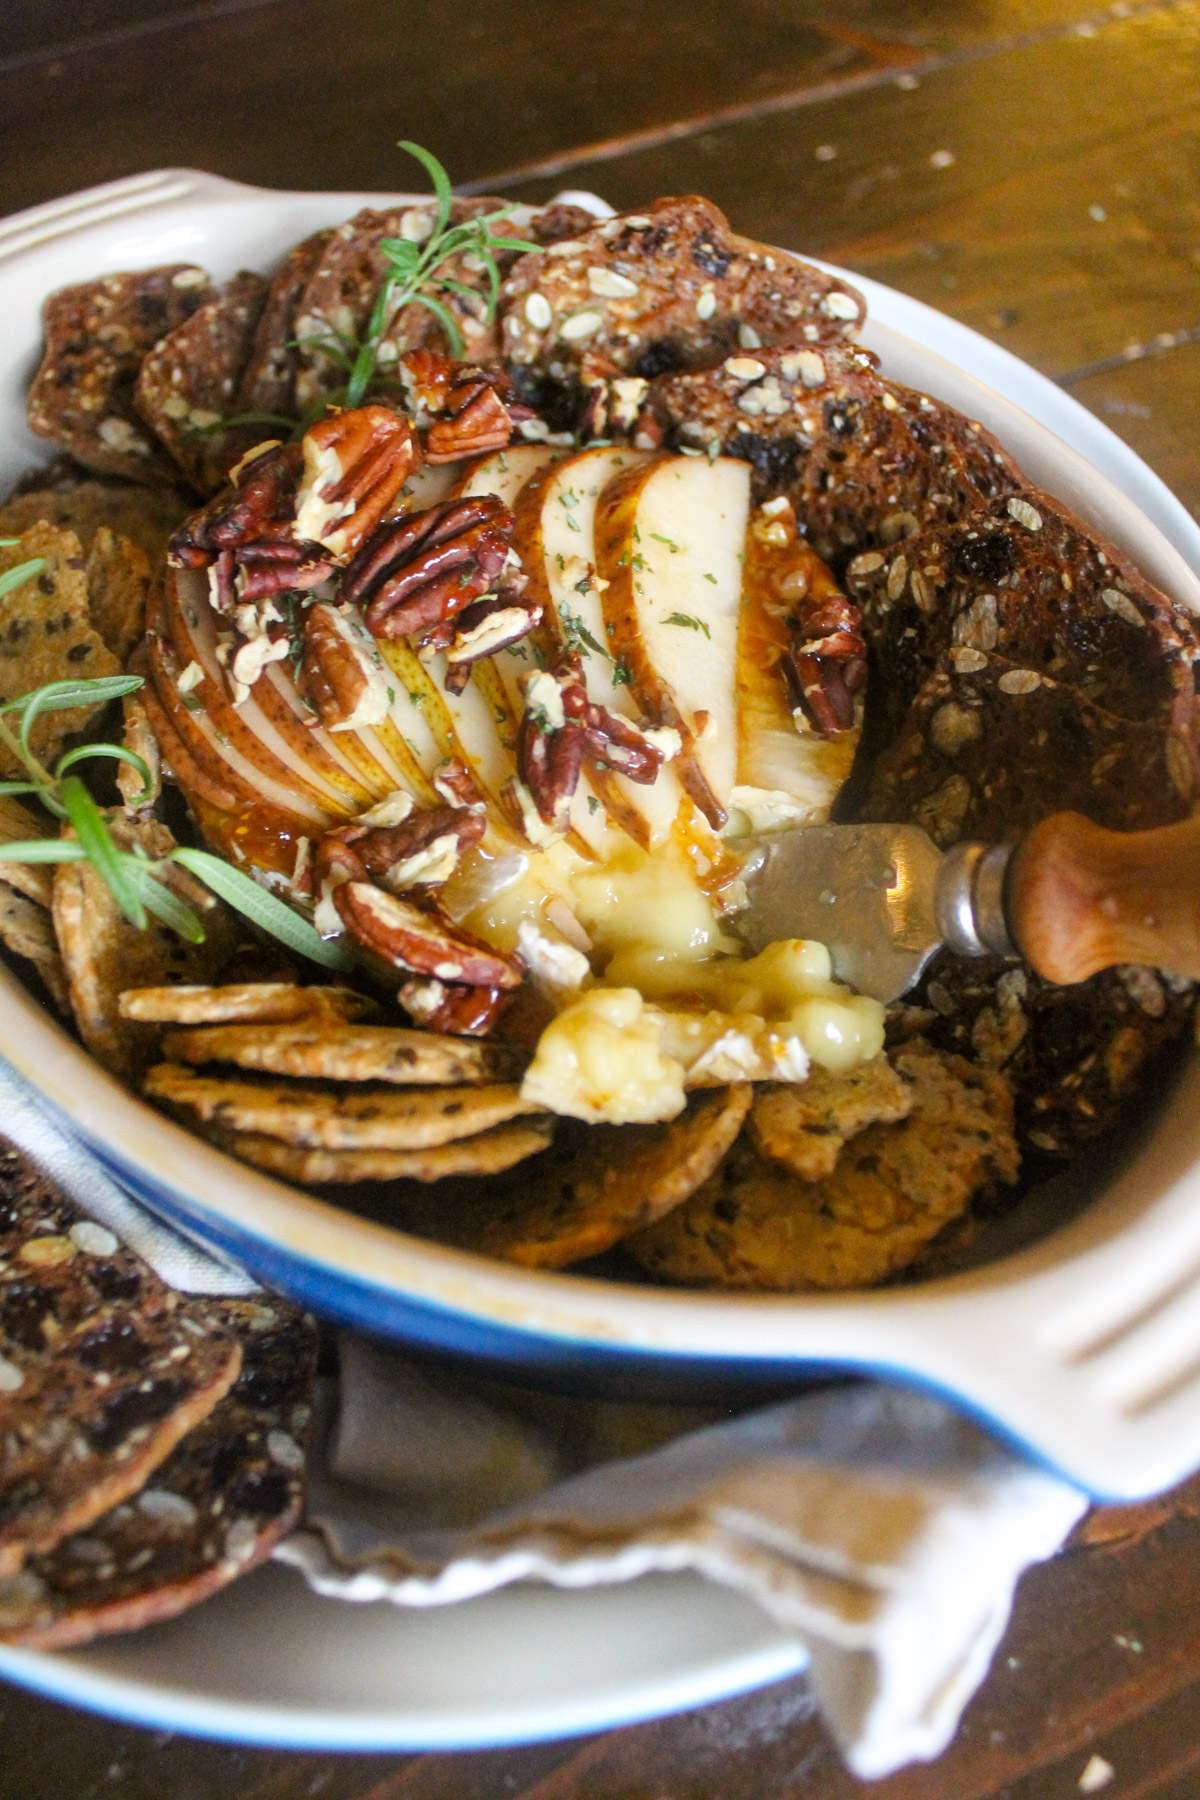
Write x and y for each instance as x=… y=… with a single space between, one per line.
x=243 y=1002
x=328 y=1050
x=895 y=1187
x=489 y=1153
x=604 y=1182
x=329 y=1119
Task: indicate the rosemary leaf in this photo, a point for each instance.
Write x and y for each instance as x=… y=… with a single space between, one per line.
x=97 y=843
x=263 y=909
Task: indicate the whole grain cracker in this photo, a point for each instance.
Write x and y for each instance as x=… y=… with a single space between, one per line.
x=27 y=929
x=600 y=1183
x=895 y=1187
x=489 y=1153
x=103 y=1369
x=20 y=823
x=334 y=1119
x=104 y=954
x=273 y=1002
x=46 y=635
x=118 y=581
x=190 y=380
x=146 y=515
x=216 y=1507
x=138 y=737
x=803 y=1126
x=97 y=333
x=327 y=1050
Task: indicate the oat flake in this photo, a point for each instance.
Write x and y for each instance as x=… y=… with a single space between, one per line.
x=284 y=1450
x=537 y=311
x=581 y=325
x=1024 y=514
x=11 y=1378
x=1122 y=605
x=1020 y=681
x=93 y=1239
x=968 y=661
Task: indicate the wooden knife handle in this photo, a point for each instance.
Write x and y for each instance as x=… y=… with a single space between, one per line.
x=1079 y=898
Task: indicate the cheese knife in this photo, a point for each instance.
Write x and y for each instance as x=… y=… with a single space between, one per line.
x=1071 y=898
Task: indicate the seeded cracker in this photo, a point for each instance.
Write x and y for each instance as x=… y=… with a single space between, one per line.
x=146 y=515
x=333 y=1119
x=118 y=580
x=331 y=1051
x=190 y=380
x=104 y=954
x=138 y=736
x=864 y=461
x=102 y=1368
x=97 y=333
x=214 y=1509
x=668 y=288
x=893 y=1189
x=17 y=822
x=274 y=1002
x=804 y=1127
x=598 y=1184
x=27 y=930
x=45 y=636
x=488 y=1153
x=268 y=382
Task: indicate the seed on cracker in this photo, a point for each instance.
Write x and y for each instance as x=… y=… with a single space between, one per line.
x=213 y=1510
x=104 y=954
x=600 y=1183
x=118 y=580
x=489 y=1153
x=895 y=1187
x=46 y=635
x=147 y=515
x=327 y=1050
x=27 y=930
x=103 y=1369
x=803 y=1126
x=334 y=1119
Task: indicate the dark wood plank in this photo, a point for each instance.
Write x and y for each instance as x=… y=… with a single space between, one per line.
x=1004 y=235
x=1151 y=403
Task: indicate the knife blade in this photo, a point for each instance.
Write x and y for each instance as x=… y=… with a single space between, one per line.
x=881 y=898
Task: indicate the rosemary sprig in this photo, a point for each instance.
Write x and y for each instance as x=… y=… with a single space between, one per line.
x=131 y=877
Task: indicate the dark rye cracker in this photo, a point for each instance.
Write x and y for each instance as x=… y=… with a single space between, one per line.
x=213 y=1510
x=268 y=383
x=103 y=1369
x=893 y=1189
x=1028 y=580
x=598 y=1184
x=1073 y=1056
x=864 y=461
x=190 y=380
x=97 y=333
x=986 y=742
x=671 y=287
x=46 y=635
x=336 y=302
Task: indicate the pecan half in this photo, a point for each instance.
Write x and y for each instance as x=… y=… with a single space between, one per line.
x=479 y=422
x=355 y=464
x=826 y=665
x=420 y=571
x=258 y=507
x=340 y=676
x=456 y=1011
x=482 y=629
x=561 y=730
x=411 y=938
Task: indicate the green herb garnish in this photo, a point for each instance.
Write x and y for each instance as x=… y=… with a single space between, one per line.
x=688 y=620
x=130 y=876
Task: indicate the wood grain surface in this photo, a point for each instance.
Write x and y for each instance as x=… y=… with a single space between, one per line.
x=1032 y=167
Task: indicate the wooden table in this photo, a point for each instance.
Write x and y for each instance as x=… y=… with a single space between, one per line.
x=1029 y=166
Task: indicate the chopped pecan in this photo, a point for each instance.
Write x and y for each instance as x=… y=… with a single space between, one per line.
x=412 y=938
x=340 y=676
x=561 y=730
x=355 y=464
x=456 y=784
x=456 y=1011
x=422 y=850
x=479 y=422
x=491 y=624
x=420 y=571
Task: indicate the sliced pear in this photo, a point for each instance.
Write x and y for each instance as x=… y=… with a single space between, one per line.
x=670 y=540
x=504 y=473
x=780 y=758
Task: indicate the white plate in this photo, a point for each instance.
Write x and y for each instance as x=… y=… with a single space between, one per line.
x=1085 y=1347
